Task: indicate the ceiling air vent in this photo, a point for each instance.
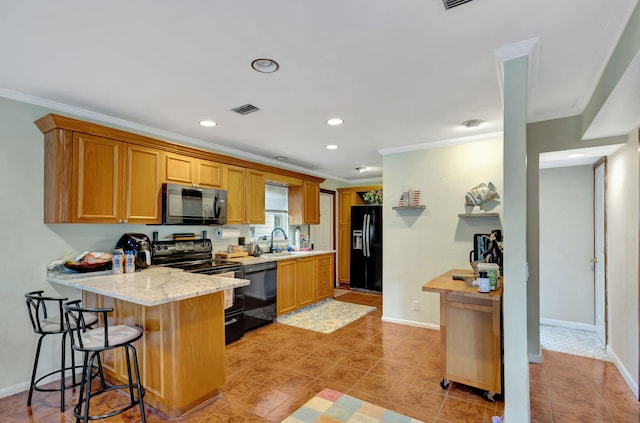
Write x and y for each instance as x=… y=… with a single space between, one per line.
x=450 y=4
x=245 y=109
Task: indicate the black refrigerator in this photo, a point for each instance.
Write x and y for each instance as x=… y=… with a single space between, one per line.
x=366 y=248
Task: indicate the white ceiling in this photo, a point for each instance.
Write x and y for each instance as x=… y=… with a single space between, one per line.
x=400 y=73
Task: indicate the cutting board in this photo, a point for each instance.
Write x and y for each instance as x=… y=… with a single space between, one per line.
x=224 y=254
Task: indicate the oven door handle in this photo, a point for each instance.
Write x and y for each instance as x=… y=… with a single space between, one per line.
x=230 y=322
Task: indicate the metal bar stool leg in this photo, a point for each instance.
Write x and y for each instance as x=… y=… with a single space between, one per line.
x=34 y=371
x=138 y=383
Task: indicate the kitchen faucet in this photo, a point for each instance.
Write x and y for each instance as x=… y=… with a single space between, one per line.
x=274 y=231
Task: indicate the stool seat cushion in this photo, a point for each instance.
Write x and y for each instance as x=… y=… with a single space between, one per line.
x=52 y=324
x=118 y=335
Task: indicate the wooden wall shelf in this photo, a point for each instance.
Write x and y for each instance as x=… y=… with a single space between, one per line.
x=419 y=207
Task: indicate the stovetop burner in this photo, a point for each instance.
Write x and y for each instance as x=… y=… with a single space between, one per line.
x=194 y=256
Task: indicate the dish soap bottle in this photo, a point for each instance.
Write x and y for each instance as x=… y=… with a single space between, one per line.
x=297 y=238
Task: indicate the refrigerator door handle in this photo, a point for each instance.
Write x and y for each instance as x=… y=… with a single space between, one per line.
x=367 y=235
x=364 y=235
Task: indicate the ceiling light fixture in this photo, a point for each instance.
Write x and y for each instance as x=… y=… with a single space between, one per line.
x=207 y=123
x=472 y=123
x=281 y=158
x=576 y=155
x=360 y=169
x=332 y=147
x=265 y=65
x=335 y=121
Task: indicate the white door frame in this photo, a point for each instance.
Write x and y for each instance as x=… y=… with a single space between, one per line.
x=600 y=248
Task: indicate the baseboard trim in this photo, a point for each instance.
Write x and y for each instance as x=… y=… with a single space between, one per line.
x=569 y=325
x=410 y=323
x=623 y=371
x=535 y=358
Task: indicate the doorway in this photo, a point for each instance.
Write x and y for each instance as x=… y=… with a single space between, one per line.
x=568 y=265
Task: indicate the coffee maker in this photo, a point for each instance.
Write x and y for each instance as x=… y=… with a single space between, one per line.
x=140 y=245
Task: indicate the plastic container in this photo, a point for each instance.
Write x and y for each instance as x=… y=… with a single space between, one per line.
x=493 y=272
x=130 y=262
x=297 y=239
x=483 y=282
x=117 y=267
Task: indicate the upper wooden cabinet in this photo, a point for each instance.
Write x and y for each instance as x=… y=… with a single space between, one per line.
x=181 y=169
x=108 y=181
x=254 y=196
x=97 y=174
x=233 y=182
x=304 y=203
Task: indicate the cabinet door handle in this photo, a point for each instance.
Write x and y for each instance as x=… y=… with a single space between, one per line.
x=126 y=221
x=119 y=220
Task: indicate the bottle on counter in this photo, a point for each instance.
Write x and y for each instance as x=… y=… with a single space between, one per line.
x=117 y=267
x=130 y=262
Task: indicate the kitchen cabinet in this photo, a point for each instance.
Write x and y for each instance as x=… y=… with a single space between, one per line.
x=233 y=182
x=324 y=277
x=287 y=286
x=304 y=203
x=97 y=174
x=181 y=169
x=92 y=179
x=254 y=196
x=470 y=333
x=171 y=370
x=245 y=195
x=303 y=281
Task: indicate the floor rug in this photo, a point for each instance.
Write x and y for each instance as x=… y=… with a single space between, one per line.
x=325 y=316
x=331 y=406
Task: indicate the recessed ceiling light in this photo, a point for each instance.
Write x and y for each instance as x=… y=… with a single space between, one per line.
x=360 y=169
x=335 y=121
x=281 y=158
x=207 y=123
x=576 y=155
x=472 y=123
x=332 y=147
x=265 y=65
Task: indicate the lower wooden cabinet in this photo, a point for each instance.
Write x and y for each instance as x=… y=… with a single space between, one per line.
x=171 y=367
x=324 y=277
x=303 y=281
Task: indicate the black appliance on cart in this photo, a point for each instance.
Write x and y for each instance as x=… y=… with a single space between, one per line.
x=196 y=256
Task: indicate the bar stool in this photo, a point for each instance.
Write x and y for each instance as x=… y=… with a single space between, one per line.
x=94 y=341
x=40 y=310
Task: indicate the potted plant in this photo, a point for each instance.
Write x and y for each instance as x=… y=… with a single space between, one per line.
x=373 y=197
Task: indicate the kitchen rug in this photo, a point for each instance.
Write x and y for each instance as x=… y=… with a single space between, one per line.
x=331 y=406
x=325 y=316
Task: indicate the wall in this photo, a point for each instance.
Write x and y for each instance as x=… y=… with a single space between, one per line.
x=622 y=259
x=566 y=247
x=28 y=245
x=419 y=245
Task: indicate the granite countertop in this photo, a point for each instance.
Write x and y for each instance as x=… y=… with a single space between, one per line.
x=285 y=255
x=148 y=287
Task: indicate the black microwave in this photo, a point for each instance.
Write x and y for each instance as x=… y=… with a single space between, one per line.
x=185 y=205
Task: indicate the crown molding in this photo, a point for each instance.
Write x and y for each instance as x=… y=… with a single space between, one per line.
x=440 y=143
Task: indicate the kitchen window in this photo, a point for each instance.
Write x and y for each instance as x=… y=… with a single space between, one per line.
x=276 y=213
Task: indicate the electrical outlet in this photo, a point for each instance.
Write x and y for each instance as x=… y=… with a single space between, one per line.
x=416 y=305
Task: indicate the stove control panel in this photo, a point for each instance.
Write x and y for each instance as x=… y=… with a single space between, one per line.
x=168 y=248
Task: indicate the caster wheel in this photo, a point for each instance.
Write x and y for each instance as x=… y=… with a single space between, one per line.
x=489 y=396
x=444 y=383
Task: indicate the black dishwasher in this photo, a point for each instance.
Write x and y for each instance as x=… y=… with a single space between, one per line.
x=260 y=295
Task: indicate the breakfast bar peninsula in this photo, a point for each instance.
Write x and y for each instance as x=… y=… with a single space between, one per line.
x=182 y=315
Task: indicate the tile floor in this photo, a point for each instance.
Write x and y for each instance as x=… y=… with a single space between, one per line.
x=274 y=370
x=572 y=341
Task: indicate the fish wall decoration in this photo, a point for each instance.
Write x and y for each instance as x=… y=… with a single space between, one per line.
x=480 y=194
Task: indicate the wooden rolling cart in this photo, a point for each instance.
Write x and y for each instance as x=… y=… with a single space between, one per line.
x=470 y=333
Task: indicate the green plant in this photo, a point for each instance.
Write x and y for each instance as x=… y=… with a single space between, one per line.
x=373 y=197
